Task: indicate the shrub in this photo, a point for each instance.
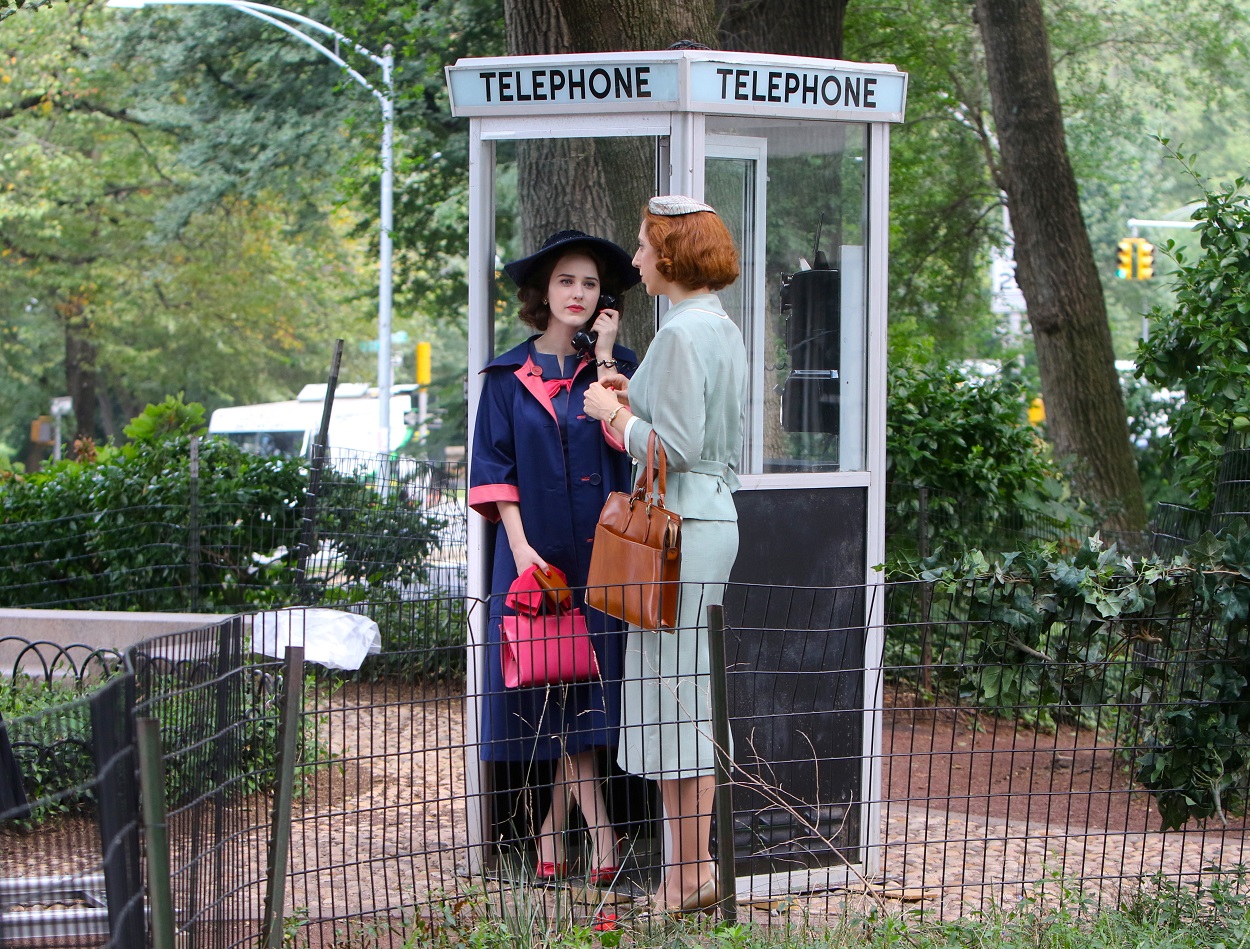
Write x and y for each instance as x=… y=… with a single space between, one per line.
x=49 y=728
x=986 y=473
x=115 y=528
x=1201 y=345
x=1048 y=637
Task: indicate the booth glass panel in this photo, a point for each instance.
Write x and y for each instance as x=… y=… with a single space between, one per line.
x=596 y=185
x=798 y=210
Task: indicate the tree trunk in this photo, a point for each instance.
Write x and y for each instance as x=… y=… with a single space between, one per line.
x=787 y=27
x=596 y=185
x=638 y=24
x=1055 y=264
x=80 y=370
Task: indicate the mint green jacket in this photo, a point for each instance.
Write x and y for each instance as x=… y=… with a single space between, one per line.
x=691 y=388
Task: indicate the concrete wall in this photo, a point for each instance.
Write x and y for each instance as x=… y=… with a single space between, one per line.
x=95 y=629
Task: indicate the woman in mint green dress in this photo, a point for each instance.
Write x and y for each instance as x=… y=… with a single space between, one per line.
x=690 y=389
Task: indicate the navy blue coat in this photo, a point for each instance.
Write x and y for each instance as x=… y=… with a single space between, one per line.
x=519 y=454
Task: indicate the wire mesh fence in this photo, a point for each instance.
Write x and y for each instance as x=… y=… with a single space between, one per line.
x=921 y=521
x=1176 y=526
x=69 y=826
x=894 y=746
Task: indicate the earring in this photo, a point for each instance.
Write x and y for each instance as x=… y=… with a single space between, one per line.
x=544 y=301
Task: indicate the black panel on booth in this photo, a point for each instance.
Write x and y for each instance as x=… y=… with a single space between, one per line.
x=795 y=644
x=809 y=537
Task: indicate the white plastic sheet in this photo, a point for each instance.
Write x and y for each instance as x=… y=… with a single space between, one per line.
x=331 y=638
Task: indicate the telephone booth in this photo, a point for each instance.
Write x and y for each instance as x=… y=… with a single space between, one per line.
x=794 y=155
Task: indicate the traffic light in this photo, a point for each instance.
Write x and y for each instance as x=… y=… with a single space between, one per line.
x=1145 y=260
x=423 y=364
x=1124 y=259
x=41 y=432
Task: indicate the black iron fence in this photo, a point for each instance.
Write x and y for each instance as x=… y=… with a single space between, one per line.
x=356 y=808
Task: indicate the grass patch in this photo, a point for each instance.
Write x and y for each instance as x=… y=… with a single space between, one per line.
x=1162 y=915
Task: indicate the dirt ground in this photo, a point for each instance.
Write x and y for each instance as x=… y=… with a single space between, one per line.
x=974 y=810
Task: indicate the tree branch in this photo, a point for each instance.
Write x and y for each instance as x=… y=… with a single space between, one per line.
x=43 y=255
x=22 y=105
x=82 y=105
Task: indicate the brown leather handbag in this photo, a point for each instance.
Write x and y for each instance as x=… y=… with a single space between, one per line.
x=635 y=564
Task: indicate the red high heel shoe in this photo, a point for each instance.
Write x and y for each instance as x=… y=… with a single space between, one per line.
x=548 y=872
x=607 y=875
x=604 y=876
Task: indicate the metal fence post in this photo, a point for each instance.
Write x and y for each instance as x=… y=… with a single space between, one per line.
x=193 y=527
x=922 y=523
x=926 y=595
x=724 y=764
x=152 y=788
x=291 y=710
x=117 y=807
x=308 y=530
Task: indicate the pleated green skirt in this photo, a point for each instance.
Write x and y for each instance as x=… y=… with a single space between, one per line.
x=666 y=710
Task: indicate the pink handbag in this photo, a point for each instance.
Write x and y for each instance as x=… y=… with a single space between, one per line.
x=545 y=644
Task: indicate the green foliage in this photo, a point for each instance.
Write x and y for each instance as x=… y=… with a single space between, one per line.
x=171 y=418
x=1050 y=637
x=1045 y=636
x=422 y=640
x=1149 y=409
x=49 y=727
x=1160 y=914
x=116 y=529
x=1199 y=762
x=239 y=754
x=1200 y=346
x=240 y=304
x=967 y=442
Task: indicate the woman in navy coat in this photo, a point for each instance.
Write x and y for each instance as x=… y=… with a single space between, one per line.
x=540 y=472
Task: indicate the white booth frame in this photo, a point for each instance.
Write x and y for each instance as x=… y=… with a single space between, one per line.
x=682 y=124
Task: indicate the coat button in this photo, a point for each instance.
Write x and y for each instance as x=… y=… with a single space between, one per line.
x=595 y=479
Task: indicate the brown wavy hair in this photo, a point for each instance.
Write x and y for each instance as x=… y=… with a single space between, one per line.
x=694 y=250
x=533 y=293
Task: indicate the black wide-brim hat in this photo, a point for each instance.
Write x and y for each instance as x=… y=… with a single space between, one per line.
x=621 y=275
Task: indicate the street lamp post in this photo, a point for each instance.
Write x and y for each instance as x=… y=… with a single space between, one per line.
x=289 y=21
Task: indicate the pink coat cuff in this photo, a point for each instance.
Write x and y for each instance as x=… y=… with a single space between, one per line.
x=611 y=437
x=484 y=497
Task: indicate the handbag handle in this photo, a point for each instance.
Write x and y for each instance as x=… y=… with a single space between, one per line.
x=645 y=489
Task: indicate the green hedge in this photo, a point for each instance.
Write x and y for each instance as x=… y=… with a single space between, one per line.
x=113 y=528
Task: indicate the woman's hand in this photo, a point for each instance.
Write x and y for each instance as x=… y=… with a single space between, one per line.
x=607 y=394
x=526 y=557
x=608 y=325
x=522 y=552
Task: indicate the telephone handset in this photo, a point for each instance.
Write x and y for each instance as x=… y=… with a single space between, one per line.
x=584 y=339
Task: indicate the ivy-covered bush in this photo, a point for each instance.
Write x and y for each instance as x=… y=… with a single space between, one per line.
x=986 y=473
x=1159 y=649
x=1202 y=345
x=1198 y=741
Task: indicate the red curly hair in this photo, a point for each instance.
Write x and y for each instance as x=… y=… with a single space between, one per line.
x=694 y=250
